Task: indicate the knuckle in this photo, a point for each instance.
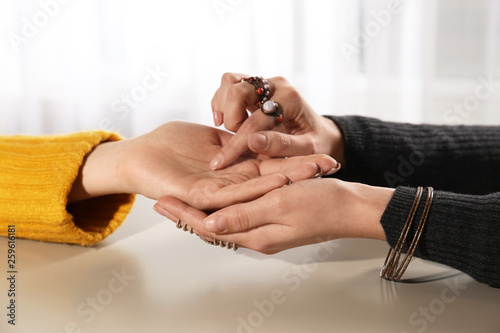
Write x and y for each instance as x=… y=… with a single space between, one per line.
x=311 y=168
x=242 y=221
x=233 y=124
x=261 y=245
x=277 y=200
x=291 y=95
x=228 y=78
x=279 y=81
x=235 y=92
x=199 y=196
x=284 y=141
x=199 y=201
x=265 y=246
x=324 y=159
x=244 y=125
x=233 y=127
x=280 y=210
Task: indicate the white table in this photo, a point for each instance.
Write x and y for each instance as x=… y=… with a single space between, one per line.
x=151 y=277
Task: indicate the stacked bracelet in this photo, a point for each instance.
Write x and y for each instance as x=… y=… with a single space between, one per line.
x=216 y=242
x=394 y=268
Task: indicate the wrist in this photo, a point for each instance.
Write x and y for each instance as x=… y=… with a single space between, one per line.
x=373 y=201
x=333 y=140
x=100 y=173
x=365 y=206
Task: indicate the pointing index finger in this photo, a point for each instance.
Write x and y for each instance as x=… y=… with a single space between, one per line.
x=239 y=142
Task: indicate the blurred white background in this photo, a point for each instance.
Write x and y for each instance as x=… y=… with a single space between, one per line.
x=69 y=65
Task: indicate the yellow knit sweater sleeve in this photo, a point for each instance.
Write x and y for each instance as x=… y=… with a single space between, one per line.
x=36 y=176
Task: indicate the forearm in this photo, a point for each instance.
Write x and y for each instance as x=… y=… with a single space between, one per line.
x=452 y=158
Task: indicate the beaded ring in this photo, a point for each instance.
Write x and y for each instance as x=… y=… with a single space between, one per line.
x=271 y=108
x=261 y=87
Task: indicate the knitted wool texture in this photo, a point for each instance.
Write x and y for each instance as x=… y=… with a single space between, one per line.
x=36 y=176
x=462 y=163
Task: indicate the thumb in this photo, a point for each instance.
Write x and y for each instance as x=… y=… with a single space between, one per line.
x=272 y=143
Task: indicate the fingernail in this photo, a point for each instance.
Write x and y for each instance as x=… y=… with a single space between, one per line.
x=217 y=118
x=216 y=223
x=258 y=141
x=217 y=161
x=319 y=174
x=334 y=169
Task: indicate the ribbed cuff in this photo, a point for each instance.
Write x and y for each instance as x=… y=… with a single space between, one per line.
x=353 y=130
x=36 y=176
x=397 y=212
x=359 y=147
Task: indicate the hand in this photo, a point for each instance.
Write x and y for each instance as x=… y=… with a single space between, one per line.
x=303 y=132
x=173 y=160
x=309 y=211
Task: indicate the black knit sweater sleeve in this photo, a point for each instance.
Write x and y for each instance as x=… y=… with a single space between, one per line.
x=462 y=163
